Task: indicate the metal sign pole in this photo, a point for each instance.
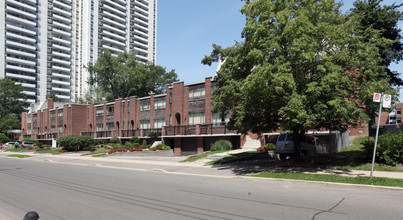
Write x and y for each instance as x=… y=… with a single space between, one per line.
x=376 y=136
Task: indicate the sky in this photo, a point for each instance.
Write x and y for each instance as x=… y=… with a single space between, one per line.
x=186 y=30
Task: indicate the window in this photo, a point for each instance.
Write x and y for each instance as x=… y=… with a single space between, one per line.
x=60 y=129
x=398 y=120
x=52 y=129
x=100 y=111
x=100 y=127
x=159 y=104
x=52 y=115
x=196 y=118
x=399 y=111
x=144 y=105
x=216 y=118
x=59 y=114
x=109 y=126
x=196 y=93
x=110 y=110
x=158 y=123
x=144 y=124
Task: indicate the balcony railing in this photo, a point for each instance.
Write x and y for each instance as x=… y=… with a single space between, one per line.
x=202 y=129
x=104 y=134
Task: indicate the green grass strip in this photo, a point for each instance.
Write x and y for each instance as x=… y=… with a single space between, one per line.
x=100 y=154
x=53 y=152
x=333 y=178
x=18 y=155
x=201 y=156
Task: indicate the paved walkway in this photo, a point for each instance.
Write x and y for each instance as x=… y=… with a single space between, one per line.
x=173 y=165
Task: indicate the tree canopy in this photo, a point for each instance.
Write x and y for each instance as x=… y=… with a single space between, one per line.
x=123 y=76
x=303 y=65
x=385 y=19
x=12 y=105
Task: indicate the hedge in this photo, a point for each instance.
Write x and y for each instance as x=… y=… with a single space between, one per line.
x=74 y=143
x=389 y=149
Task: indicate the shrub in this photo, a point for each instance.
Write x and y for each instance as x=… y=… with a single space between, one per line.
x=30 y=140
x=4 y=138
x=152 y=134
x=389 y=149
x=134 y=139
x=160 y=147
x=266 y=147
x=221 y=145
x=74 y=143
x=100 y=141
x=114 y=140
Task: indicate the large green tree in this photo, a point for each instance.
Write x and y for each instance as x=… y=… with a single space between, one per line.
x=123 y=76
x=385 y=19
x=12 y=105
x=303 y=65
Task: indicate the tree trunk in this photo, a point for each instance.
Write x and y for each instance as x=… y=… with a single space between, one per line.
x=297 y=144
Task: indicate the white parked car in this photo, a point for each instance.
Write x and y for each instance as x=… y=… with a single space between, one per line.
x=285 y=145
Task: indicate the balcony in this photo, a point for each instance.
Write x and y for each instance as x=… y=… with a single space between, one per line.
x=108 y=27
x=63 y=96
x=20 y=37
x=104 y=134
x=20 y=68
x=113 y=4
x=62 y=41
x=20 y=45
x=22 y=5
x=61 y=26
x=20 y=29
x=114 y=10
x=61 y=90
x=20 y=76
x=59 y=68
x=60 y=47
x=60 y=11
x=114 y=35
x=63 y=55
x=61 y=32
x=112 y=41
x=64 y=62
x=20 y=53
x=114 y=23
x=62 y=5
x=63 y=83
x=63 y=76
x=20 y=21
x=113 y=49
x=20 y=61
x=21 y=13
x=110 y=15
x=202 y=129
x=61 y=18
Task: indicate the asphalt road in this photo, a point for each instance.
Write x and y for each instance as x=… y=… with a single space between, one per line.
x=69 y=191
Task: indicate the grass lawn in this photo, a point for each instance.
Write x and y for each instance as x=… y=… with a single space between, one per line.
x=332 y=178
x=53 y=152
x=17 y=150
x=96 y=154
x=18 y=155
x=201 y=156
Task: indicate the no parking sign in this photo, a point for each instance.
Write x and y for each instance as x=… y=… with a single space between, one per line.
x=377 y=97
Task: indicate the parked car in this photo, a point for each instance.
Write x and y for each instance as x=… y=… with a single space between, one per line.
x=285 y=145
x=27 y=144
x=9 y=144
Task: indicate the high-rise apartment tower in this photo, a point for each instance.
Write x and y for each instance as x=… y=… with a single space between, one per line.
x=46 y=44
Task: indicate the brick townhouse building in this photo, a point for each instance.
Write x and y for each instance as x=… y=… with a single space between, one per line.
x=182 y=117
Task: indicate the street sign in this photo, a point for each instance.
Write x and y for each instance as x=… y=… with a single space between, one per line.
x=387 y=101
x=377 y=97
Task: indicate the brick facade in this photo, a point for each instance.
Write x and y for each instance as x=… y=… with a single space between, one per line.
x=174 y=115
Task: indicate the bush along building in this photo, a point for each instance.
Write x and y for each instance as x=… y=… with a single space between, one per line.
x=181 y=118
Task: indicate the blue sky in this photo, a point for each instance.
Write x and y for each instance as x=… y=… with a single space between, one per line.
x=188 y=28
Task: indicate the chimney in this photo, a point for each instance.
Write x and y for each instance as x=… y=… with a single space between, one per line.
x=50 y=103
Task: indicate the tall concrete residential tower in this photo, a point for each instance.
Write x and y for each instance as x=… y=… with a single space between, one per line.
x=46 y=44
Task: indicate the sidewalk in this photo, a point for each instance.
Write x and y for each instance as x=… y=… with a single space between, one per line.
x=173 y=165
